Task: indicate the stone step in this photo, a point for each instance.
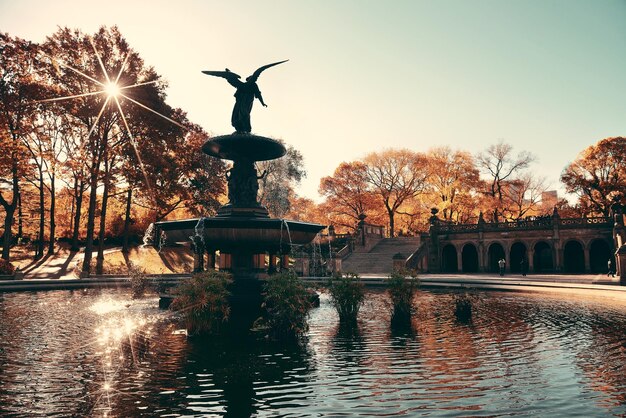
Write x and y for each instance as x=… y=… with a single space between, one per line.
x=379 y=259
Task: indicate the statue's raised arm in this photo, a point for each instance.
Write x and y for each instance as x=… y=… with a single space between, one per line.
x=244 y=96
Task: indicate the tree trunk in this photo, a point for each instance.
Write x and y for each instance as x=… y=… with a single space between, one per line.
x=52 y=214
x=9 y=209
x=127 y=219
x=8 y=223
x=103 y=216
x=20 y=217
x=91 y=218
x=73 y=205
x=42 y=215
x=78 y=196
x=391 y=223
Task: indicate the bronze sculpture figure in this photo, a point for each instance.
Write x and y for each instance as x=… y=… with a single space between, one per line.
x=244 y=96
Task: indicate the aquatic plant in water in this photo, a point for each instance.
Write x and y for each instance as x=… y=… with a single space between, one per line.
x=402 y=286
x=203 y=301
x=347 y=296
x=286 y=306
x=463 y=306
x=139 y=283
x=6 y=267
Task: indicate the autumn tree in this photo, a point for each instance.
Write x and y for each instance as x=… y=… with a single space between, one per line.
x=396 y=176
x=501 y=167
x=207 y=176
x=598 y=175
x=454 y=181
x=305 y=210
x=279 y=179
x=347 y=194
x=84 y=69
x=177 y=174
x=523 y=196
x=19 y=89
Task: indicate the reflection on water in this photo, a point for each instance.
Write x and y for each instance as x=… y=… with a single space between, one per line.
x=99 y=353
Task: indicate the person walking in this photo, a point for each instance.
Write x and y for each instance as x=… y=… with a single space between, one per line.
x=610 y=272
x=523 y=267
x=501 y=265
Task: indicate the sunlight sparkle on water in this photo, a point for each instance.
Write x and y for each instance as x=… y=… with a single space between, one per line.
x=106 y=306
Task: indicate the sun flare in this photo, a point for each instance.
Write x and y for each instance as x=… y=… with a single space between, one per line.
x=112 y=89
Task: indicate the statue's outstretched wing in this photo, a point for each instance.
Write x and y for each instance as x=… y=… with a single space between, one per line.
x=231 y=77
x=254 y=77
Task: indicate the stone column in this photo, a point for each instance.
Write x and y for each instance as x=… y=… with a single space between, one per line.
x=620 y=262
x=507 y=257
x=210 y=260
x=434 y=263
x=556 y=241
x=225 y=262
x=258 y=262
x=482 y=268
x=587 y=259
x=558 y=257
x=459 y=261
x=482 y=257
x=284 y=262
x=272 y=267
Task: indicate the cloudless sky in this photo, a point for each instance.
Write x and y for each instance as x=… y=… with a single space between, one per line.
x=547 y=76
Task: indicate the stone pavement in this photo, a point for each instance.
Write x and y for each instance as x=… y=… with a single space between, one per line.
x=56 y=273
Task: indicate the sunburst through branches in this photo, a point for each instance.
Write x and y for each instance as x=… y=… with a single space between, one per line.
x=113 y=92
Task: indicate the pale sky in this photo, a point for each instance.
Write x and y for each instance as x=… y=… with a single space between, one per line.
x=547 y=76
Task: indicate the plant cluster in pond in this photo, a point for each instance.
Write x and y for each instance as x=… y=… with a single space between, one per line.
x=463 y=303
x=347 y=296
x=402 y=286
x=203 y=302
x=286 y=307
x=6 y=267
x=139 y=283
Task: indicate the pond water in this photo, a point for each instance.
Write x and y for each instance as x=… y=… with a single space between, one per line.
x=97 y=353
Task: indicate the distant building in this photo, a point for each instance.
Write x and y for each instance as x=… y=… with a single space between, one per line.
x=549 y=200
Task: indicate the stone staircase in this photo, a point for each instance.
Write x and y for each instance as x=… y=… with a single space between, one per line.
x=379 y=260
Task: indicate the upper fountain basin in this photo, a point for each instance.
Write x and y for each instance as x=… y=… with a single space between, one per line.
x=240 y=146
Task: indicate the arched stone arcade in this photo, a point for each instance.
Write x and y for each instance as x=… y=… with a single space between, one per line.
x=543 y=260
x=518 y=257
x=573 y=257
x=449 y=259
x=469 y=259
x=599 y=255
x=546 y=245
x=494 y=254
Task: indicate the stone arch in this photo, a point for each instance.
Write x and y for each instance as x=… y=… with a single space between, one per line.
x=495 y=253
x=543 y=260
x=599 y=254
x=469 y=258
x=518 y=255
x=449 y=262
x=573 y=257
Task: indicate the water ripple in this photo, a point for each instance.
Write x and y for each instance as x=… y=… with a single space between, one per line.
x=96 y=352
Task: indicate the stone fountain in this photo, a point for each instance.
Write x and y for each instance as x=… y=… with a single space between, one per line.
x=242 y=231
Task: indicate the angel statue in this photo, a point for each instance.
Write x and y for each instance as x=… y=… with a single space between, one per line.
x=244 y=96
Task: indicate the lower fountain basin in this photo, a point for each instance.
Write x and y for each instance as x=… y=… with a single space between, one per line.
x=229 y=234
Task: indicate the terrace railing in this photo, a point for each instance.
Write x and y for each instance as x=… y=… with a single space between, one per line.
x=526 y=224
